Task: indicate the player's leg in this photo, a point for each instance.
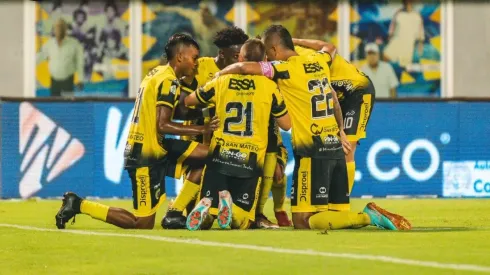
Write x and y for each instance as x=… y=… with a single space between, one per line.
x=148 y=193
x=356 y=112
x=183 y=154
x=245 y=194
x=301 y=192
x=338 y=216
x=279 y=190
x=261 y=221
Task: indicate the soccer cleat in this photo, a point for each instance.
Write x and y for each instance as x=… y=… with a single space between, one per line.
x=198 y=214
x=224 y=209
x=283 y=219
x=384 y=219
x=173 y=220
x=69 y=209
x=262 y=222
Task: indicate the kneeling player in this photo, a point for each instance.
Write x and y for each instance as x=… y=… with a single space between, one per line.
x=149 y=156
x=356 y=95
x=232 y=175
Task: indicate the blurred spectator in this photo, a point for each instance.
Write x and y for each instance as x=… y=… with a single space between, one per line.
x=381 y=73
x=204 y=23
x=406 y=30
x=65 y=55
x=85 y=34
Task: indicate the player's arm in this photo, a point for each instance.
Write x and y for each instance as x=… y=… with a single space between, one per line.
x=245 y=68
x=165 y=108
x=280 y=112
x=203 y=95
x=188 y=85
x=340 y=122
x=317 y=45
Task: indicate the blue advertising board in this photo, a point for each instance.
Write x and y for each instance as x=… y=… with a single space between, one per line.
x=411 y=149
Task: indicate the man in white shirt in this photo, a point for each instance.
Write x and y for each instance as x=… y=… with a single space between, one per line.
x=65 y=55
x=381 y=73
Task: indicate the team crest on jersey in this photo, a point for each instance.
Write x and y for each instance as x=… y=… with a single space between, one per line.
x=173 y=88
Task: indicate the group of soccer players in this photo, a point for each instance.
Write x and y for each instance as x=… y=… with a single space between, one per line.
x=230 y=151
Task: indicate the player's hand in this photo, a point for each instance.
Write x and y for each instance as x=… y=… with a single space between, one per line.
x=345 y=143
x=278 y=173
x=212 y=126
x=216 y=75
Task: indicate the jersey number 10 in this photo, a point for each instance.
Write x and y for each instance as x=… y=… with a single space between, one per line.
x=323 y=98
x=241 y=113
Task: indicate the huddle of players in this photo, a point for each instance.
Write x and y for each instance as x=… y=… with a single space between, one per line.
x=249 y=98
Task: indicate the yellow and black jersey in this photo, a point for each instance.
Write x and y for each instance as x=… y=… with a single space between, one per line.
x=160 y=87
x=244 y=104
x=345 y=78
x=205 y=73
x=304 y=83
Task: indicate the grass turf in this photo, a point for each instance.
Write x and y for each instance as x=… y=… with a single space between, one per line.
x=445 y=231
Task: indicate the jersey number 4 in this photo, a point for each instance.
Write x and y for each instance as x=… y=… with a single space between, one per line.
x=237 y=120
x=322 y=104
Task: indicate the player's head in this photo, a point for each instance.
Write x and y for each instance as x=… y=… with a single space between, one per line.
x=252 y=50
x=278 y=42
x=229 y=41
x=60 y=28
x=182 y=53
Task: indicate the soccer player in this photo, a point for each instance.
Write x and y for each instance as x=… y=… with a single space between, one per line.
x=316 y=122
x=149 y=155
x=356 y=95
x=229 y=42
x=231 y=178
x=274 y=180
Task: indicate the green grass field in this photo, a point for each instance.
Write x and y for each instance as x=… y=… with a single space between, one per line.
x=449 y=237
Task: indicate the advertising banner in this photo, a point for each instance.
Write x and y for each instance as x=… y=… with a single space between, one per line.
x=411 y=149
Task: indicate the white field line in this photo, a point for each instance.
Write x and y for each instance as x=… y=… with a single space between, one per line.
x=386 y=259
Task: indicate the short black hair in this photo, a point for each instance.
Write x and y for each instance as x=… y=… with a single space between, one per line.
x=282 y=33
x=177 y=40
x=79 y=11
x=254 y=50
x=230 y=36
x=111 y=4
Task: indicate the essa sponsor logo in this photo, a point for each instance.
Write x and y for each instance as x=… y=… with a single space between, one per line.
x=39 y=155
x=304 y=186
x=241 y=84
x=311 y=68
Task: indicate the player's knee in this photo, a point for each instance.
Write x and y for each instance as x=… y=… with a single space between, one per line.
x=300 y=220
x=243 y=224
x=144 y=222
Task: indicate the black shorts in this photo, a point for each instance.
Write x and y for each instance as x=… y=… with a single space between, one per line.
x=318 y=183
x=177 y=160
x=244 y=191
x=356 y=110
x=148 y=182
